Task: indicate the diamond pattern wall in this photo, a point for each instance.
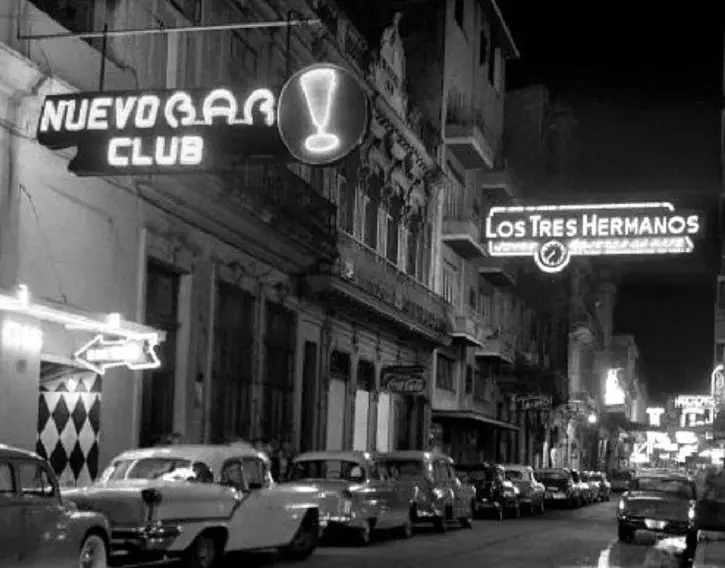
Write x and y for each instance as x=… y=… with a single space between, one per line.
x=69 y=426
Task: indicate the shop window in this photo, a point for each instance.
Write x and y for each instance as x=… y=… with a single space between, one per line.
x=279 y=365
x=445 y=374
x=232 y=370
x=162 y=307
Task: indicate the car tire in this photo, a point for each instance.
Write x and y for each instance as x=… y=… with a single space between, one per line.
x=364 y=535
x=467 y=521
x=93 y=552
x=624 y=534
x=305 y=541
x=691 y=543
x=406 y=531
x=203 y=552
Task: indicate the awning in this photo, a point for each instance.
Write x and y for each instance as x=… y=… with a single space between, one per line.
x=473 y=415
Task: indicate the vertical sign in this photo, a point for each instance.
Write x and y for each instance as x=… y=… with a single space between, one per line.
x=717 y=381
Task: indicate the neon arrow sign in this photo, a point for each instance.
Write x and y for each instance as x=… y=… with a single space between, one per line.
x=101 y=354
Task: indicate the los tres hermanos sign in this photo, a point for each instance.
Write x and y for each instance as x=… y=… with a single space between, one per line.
x=318 y=117
x=552 y=234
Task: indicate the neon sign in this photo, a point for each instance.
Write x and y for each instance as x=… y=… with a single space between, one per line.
x=553 y=234
x=655 y=416
x=101 y=354
x=614 y=394
x=694 y=402
x=320 y=116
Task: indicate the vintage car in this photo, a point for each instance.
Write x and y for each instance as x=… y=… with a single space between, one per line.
x=531 y=492
x=661 y=503
x=560 y=487
x=585 y=488
x=437 y=494
x=495 y=495
x=38 y=528
x=620 y=480
x=198 y=502
x=605 y=488
x=358 y=495
x=593 y=487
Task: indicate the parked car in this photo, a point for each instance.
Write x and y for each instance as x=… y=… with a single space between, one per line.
x=663 y=503
x=620 y=480
x=359 y=495
x=605 y=488
x=437 y=494
x=38 y=528
x=531 y=492
x=585 y=490
x=495 y=495
x=560 y=487
x=198 y=502
x=593 y=487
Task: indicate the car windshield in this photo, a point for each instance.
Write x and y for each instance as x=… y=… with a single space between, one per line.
x=327 y=469
x=597 y=477
x=621 y=475
x=549 y=475
x=160 y=468
x=514 y=475
x=404 y=469
x=476 y=475
x=678 y=487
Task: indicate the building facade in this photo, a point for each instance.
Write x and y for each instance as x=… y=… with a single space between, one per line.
x=281 y=291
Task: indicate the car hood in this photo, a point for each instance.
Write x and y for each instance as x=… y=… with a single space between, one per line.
x=122 y=503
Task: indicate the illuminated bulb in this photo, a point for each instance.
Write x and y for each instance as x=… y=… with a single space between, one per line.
x=592 y=418
x=23 y=295
x=114 y=320
x=319 y=86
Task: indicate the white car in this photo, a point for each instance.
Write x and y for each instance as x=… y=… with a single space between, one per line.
x=198 y=502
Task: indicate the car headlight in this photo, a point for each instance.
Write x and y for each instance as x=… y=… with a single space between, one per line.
x=622 y=505
x=691 y=513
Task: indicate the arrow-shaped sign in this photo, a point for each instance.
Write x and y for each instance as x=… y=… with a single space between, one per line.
x=101 y=354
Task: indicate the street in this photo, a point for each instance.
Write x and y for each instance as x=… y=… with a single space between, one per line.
x=561 y=538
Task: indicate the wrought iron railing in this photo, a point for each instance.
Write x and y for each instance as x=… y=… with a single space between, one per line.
x=272 y=185
x=384 y=280
x=483 y=111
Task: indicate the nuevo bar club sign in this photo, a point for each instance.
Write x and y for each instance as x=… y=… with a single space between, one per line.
x=553 y=234
x=319 y=116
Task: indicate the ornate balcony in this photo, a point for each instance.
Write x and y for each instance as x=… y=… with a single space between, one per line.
x=469 y=328
x=463 y=234
x=287 y=203
x=474 y=127
x=365 y=280
x=499 y=272
x=499 y=345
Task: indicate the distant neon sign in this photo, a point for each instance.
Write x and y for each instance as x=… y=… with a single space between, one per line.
x=553 y=234
x=319 y=117
x=655 y=415
x=614 y=394
x=694 y=402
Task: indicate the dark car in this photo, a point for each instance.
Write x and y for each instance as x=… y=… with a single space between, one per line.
x=605 y=488
x=663 y=503
x=495 y=495
x=620 y=480
x=561 y=487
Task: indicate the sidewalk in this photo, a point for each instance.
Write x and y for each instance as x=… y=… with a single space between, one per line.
x=710 y=550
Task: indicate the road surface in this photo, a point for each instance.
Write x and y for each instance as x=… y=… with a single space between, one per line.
x=560 y=538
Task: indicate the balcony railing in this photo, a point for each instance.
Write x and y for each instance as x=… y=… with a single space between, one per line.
x=478 y=118
x=463 y=232
x=500 y=345
x=272 y=188
x=499 y=272
x=383 y=280
x=470 y=327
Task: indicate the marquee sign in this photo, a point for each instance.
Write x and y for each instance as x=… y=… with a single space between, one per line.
x=403 y=379
x=694 y=401
x=319 y=116
x=553 y=234
x=101 y=354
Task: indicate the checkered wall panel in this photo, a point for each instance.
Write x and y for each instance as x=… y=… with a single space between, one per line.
x=69 y=426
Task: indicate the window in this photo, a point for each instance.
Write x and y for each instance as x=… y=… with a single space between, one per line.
x=232 y=369
x=365 y=375
x=481 y=390
x=472 y=298
x=720 y=353
x=482 y=46
x=327 y=469
x=279 y=364
x=450 y=282
x=445 y=374
x=232 y=474
x=371 y=206
x=721 y=294
x=492 y=60
x=469 y=379
x=459 y=12
x=392 y=229
x=411 y=262
x=346 y=205
x=7 y=483
x=35 y=481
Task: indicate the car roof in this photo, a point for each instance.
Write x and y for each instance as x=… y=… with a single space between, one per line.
x=212 y=455
x=352 y=455
x=17 y=453
x=517 y=467
x=663 y=474
x=415 y=455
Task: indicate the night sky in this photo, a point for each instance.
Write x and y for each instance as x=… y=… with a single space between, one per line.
x=644 y=79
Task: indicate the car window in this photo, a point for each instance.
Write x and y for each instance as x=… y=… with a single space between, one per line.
x=35 y=481
x=7 y=483
x=378 y=472
x=201 y=473
x=326 y=469
x=514 y=475
x=232 y=474
x=678 y=487
x=254 y=472
x=405 y=469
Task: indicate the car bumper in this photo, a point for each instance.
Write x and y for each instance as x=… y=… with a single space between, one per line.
x=671 y=527
x=337 y=523
x=145 y=539
x=557 y=496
